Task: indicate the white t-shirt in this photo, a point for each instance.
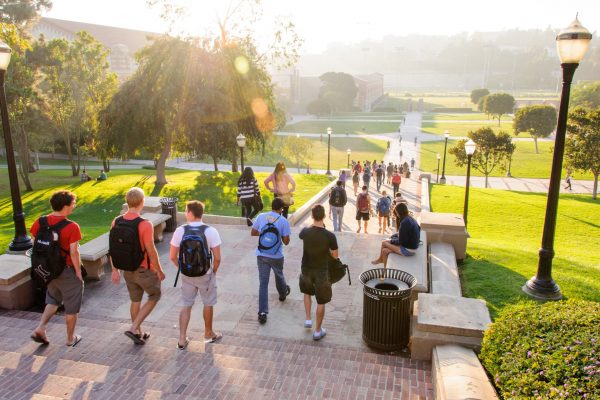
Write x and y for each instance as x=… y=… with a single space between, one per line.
x=212 y=236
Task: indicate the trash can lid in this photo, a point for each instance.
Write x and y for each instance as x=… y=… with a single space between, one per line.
x=387 y=284
x=168 y=200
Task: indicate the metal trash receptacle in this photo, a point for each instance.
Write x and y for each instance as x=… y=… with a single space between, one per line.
x=169 y=206
x=386 y=308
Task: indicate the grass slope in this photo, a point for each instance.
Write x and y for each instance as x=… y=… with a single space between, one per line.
x=99 y=202
x=506 y=230
x=342 y=127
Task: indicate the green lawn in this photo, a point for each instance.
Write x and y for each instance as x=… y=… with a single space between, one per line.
x=362 y=148
x=367 y=115
x=462 y=117
x=342 y=127
x=525 y=163
x=506 y=230
x=99 y=202
x=462 y=128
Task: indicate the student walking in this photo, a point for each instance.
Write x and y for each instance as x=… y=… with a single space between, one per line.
x=379 y=176
x=355 y=181
x=337 y=202
x=383 y=207
x=390 y=171
x=363 y=208
x=283 y=185
x=568 y=182
x=132 y=250
x=50 y=232
x=412 y=164
x=318 y=246
x=396 y=180
x=196 y=252
x=366 y=176
x=272 y=230
x=248 y=194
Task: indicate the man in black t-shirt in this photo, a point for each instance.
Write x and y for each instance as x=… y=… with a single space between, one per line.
x=319 y=245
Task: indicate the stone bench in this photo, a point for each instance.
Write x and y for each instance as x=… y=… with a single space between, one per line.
x=457 y=374
x=415 y=265
x=16 y=288
x=94 y=253
x=444 y=271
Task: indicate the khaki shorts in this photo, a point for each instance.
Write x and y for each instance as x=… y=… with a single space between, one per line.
x=205 y=286
x=66 y=289
x=140 y=281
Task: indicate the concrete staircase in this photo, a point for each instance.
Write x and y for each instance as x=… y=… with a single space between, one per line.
x=106 y=365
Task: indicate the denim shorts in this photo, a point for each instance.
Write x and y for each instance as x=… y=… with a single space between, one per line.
x=407 y=252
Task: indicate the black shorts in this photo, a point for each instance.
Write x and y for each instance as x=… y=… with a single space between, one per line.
x=362 y=215
x=315 y=282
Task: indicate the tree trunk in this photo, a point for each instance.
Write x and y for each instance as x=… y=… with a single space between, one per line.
x=595 y=191
x=70 y=154
x=161 y=178
x=499 y=116
x=24 y=158
x=215 y=163
x=234 y=165
x=535 y=143
x=486 y=181
x=105 y=164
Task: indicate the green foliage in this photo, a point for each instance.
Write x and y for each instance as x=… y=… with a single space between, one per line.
x=538 y=121
x=21 y=12
x=493 y=150
x=338 y=90
x=477 y=94
x=319 y=108
x=586 y=94
x=498 y=104
x=582 y=145
x=297 y=149
x=545 y=351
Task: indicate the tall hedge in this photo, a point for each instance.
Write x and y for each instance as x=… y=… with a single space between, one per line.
x=545 y=351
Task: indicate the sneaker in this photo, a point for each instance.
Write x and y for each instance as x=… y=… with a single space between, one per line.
x=308 y=323
x=262 y=318
x=249 y=222
x=319 y=335
x=287 y=292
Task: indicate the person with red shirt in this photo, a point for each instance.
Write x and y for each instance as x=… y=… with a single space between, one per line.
x=67 y=288
x=147 y=277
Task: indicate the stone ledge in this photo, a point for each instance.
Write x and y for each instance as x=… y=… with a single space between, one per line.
x=457 y=374
x=444 y=271
x=13 y=267
x=452 y=315
x=425 y=203
x=16 y=289
x=415 y=265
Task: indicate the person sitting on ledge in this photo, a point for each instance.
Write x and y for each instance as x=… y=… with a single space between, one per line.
x=102 y=176
x=408 y=238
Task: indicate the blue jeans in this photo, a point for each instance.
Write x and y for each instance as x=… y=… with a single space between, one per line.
x=379 y=183
x=265 y=265
x=337 y=213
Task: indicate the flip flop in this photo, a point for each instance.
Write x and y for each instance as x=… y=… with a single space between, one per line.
x=76 y=340
x=145 y=336
x=214 y=339
x=135 y=338
x=38 y=339
x=183 y=346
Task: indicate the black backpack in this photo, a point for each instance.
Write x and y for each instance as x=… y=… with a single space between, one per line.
x=336 y=198
x=269 y=239
x=124 y=246
x=48 y=259
x=195 y=258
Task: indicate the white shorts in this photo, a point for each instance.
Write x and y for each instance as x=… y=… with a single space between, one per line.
x=205 y=285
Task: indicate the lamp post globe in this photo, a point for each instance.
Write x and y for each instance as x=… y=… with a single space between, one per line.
x=446 y=136
x=348 y=152
x=329 y=130
x=437 y=178
x=21 y=241
x=470 y=147
x=241 y=142
x=572 y=44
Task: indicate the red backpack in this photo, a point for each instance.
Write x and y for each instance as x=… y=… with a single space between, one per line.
x=362 y=202
x=396 y=179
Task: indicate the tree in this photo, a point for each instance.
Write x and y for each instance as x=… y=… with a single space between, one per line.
x=339 y=90
x=586 y=94
x=319 y=108
x=539 y=121
x=22 y=12
x=498 y=104
x=493 y=150
x=582 y=146
x=296 y=148
x=477 y=94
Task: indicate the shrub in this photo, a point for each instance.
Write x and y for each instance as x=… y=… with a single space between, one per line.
x=545 y=351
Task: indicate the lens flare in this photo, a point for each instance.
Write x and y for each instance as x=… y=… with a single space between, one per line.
x=259 y=107
x=241 y=65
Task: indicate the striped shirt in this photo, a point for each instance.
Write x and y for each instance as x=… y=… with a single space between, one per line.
x=247 y=189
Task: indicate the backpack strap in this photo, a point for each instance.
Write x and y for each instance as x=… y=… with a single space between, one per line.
x=55 y=228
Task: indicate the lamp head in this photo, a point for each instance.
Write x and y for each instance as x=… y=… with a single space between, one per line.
x=573 y=42
x=241 y=140
x=446 y=134
x=5 y=53
x=470 y=147
x=349 y=151
x=329 y=131
x=438 y=156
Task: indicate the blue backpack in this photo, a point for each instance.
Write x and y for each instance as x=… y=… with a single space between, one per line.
x=195 y=258
x=269 y=239
x=383 y=205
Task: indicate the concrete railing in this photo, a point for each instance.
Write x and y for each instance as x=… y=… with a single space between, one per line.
x=425 y=202
x=301 y=212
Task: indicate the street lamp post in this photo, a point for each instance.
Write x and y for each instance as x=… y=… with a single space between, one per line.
x=328 y=152
x=348 y=152
x=446 y=136
x=21 y=242
x=241 y=142
x=572 y=43
x=469 y=149
x=437 y=178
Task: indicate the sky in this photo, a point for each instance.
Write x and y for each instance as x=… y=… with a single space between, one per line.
x=320 y=22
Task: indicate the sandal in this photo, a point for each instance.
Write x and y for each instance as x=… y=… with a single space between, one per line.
x=39 y=339
x=218 y=336
x=135 y=338
x=76 y=340
x=183 y=346
x=145 y=336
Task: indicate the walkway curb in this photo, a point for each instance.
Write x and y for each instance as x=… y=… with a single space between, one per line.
x=301 y=212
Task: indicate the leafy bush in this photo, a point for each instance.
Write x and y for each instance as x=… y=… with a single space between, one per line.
x=545 y=351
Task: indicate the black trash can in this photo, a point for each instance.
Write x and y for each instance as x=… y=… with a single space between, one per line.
x=386 y=308
x=169 y=206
